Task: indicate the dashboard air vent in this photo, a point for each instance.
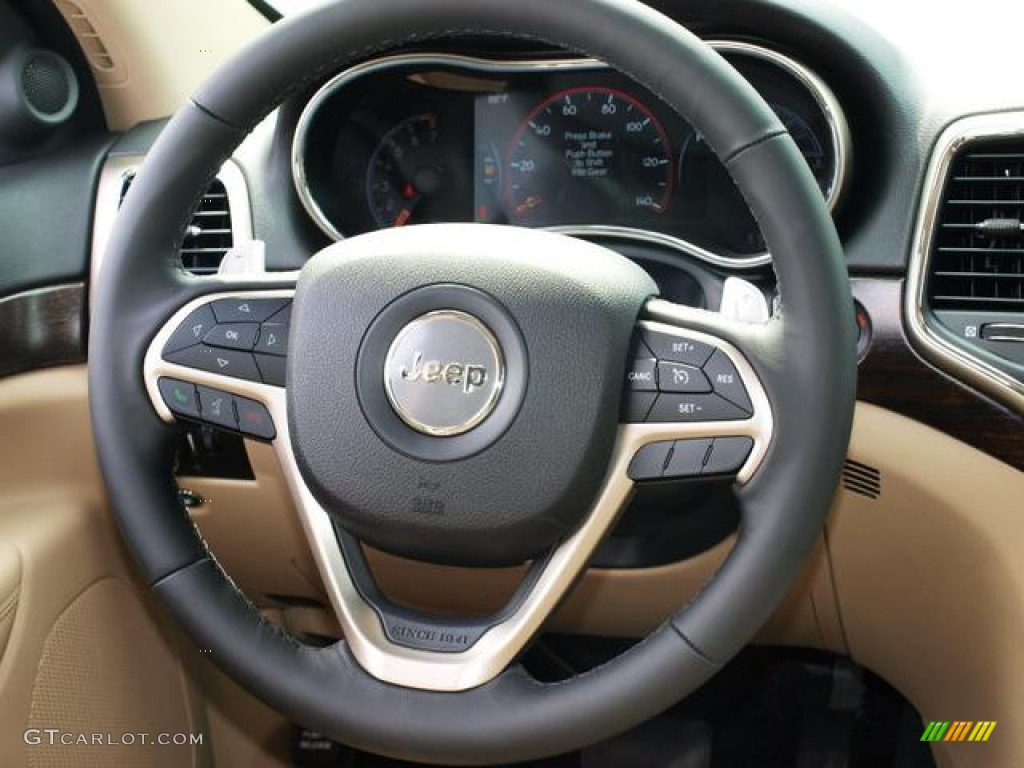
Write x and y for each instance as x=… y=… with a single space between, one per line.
x=209 y=235
x=977 y=259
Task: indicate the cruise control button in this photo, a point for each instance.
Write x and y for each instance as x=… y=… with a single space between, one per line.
x=641 y=375
x=273 y=339
x=636 y=406
x=246 y=310
x=727 y=455
x=180 y=397
x=272 y=368
x=726 y=381
x=687 y=458
x=666 y=346
x=649 y=461
x=254 y=419
x=217 y=407
x=191 y=331
x=227 y=362
x=676 y=377
x=232 y=336
x=689 y=408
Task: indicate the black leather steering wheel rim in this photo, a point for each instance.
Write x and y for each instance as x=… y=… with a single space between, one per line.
x=805 y=357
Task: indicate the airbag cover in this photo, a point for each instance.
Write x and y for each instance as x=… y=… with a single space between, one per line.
x=502 y=492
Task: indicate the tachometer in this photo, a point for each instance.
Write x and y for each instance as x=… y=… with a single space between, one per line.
x=587 y=155
x=408 y=179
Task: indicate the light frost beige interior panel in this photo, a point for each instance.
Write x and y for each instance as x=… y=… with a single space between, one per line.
x=85 y=653
x=930 y=579
x=253 y=531
x=10 y=590
x=929 y=576
x=148 y=56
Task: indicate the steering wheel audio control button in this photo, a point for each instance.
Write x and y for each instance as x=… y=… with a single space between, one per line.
x=180 y=397
x=677 y=349
x=191 y=331
x=687 y=458
x=649 y=462
x=273 y=339
x=726 y=380
x=641 y=375
x=727 y=455
x=247 y=310
x=217 y=408
x=233 y=336
x=254 y=419
x=226 y=362
x=676 y=377
x=694 y=408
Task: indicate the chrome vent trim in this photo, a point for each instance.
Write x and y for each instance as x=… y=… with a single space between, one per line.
x=927 y=338
x=117 y=173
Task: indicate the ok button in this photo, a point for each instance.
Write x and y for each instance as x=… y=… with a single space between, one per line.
x=642 y=376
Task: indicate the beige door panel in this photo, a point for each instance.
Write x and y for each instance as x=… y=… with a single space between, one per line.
x=84 y=653
x=10 y=590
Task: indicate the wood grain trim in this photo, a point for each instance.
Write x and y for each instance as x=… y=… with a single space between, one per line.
x=894 y=376
x=43 y=328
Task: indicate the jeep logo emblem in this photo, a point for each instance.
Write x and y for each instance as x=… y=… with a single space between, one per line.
x=444 y=373
x=468 y=377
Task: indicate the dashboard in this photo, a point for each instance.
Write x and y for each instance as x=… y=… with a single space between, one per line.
x=565 y=144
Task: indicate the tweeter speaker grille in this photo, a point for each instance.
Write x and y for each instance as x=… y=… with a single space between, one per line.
x=49 y=86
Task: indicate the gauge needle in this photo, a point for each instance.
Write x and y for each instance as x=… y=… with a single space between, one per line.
x=412 y=197
x=528 y=205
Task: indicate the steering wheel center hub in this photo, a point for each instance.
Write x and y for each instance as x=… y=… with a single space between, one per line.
x=444 y=373
x=464 y=409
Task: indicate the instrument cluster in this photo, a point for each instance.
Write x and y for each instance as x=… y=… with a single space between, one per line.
x=570 y=145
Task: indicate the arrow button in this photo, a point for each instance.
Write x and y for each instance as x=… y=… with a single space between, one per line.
x=226 y=362
x=273 y=339
x=247 y=310
x=191 y=330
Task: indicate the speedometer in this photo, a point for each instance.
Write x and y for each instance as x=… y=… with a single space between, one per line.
x=587 y=155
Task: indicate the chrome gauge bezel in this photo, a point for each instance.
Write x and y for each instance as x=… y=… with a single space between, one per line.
x=822 y=95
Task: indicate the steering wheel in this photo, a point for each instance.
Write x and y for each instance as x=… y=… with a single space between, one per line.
x=457 y=394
